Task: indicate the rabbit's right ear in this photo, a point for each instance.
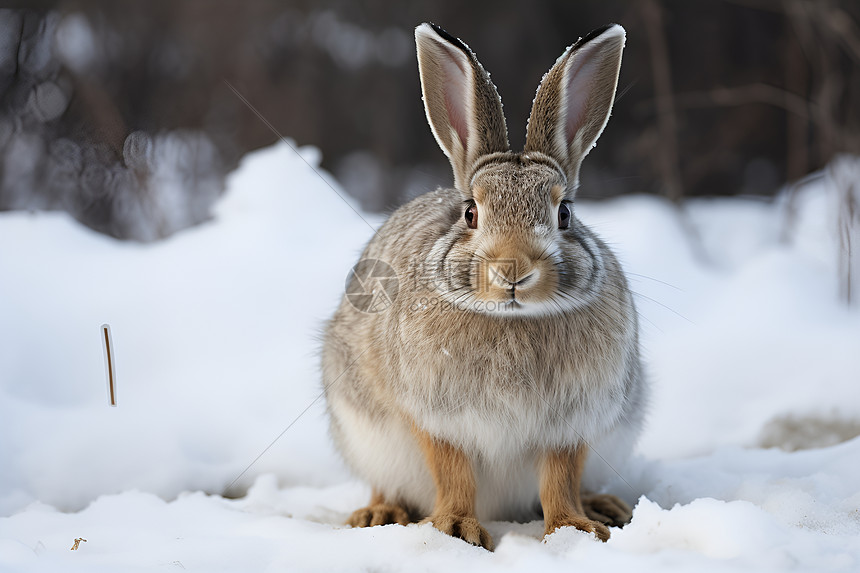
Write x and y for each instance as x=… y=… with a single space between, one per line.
x=462 y=104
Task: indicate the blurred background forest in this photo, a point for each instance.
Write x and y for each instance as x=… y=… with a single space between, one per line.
x=130 y=115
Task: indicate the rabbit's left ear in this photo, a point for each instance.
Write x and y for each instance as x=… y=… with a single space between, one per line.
x=462 y=104
x=574 y=99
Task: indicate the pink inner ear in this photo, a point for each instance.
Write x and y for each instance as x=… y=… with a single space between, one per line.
x=580 y=87
x=456 y=89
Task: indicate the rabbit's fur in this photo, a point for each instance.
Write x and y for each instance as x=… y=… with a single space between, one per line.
x=511 y=348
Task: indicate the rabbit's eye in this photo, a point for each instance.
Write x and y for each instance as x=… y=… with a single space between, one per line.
x=563 y=216
x=471 y=216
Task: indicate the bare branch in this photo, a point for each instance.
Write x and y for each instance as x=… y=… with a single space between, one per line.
x=844 y=28
x=664 y=96
x=764 y=5
x=745 y=95
x=844 y=172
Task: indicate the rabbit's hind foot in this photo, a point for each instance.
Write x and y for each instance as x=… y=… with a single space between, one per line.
x=462 y=527
x=607 y=509
x=379 y=512
x=581 y=523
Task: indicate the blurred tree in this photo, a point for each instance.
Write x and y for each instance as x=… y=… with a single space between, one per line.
x=119 y=112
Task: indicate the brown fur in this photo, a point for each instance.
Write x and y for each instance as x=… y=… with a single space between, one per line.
x=560 y=476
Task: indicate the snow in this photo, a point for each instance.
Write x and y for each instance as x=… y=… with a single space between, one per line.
x=216 y=337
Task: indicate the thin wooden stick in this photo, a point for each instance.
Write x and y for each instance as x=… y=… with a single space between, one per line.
x=110 y=366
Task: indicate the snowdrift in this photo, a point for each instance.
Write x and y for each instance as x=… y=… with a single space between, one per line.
x=215 y=332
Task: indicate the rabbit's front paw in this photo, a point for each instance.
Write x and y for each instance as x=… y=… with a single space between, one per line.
x=378 y=514
x=466 y=528
x=582 y=523
x=607 y=509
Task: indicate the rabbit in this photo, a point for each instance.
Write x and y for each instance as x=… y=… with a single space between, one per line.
x=502 y=345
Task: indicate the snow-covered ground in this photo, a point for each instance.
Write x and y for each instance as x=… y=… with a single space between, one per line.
x=216 y=330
